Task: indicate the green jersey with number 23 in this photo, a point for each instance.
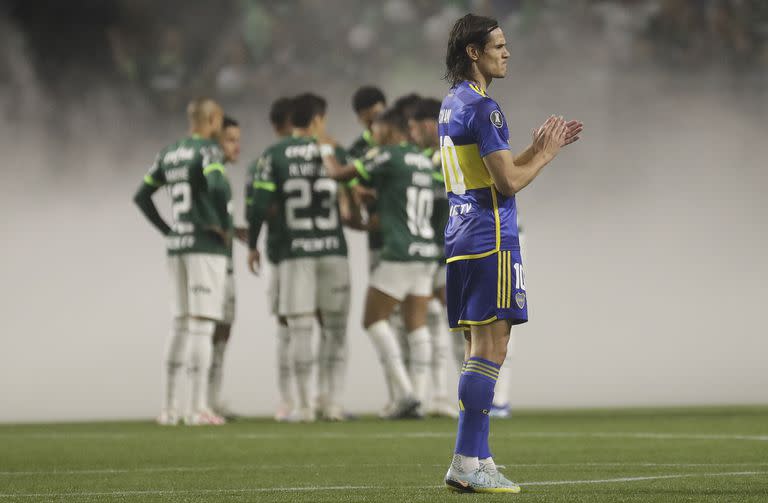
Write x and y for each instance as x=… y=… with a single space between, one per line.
x=292 y=174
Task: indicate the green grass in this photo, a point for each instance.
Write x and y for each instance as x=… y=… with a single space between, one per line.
x=643 y=455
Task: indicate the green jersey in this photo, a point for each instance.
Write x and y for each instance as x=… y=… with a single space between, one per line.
x=275 y=232
x=191 y=169
x=361 y=145
x=442 y=208
x=357 y=150
x=403 y=178
x=291 y=175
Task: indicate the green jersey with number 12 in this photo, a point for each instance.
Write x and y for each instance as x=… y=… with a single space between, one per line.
x=292 y=174
x=192 y=171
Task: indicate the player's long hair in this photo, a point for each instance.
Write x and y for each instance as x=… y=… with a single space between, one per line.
x=470 y=29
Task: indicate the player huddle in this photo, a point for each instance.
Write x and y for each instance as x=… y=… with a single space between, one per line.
x=305 y=188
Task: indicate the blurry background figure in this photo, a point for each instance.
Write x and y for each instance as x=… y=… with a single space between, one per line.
x=230 y=146
x=280 y=118
x=423 y=130
x=199 y=242
x=167 y=71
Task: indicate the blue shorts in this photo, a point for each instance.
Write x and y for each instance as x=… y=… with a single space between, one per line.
x=481 y=291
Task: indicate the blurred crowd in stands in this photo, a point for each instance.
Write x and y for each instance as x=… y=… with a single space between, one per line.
x=168 y=51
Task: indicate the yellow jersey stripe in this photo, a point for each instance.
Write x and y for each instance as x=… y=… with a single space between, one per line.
x=478 y=90
x=486 y=374
x=470 y=257
x=509 y=286
x=498 y=280
x=483 y=322
x=484 y=366
x=496 y=217
x=461 y=405
x=504 y=279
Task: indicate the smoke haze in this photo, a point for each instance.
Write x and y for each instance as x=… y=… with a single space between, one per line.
x=645 y=241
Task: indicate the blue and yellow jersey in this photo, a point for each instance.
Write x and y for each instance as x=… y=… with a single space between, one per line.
x=482 y=221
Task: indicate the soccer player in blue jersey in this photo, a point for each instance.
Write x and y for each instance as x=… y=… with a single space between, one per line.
x=485 y=291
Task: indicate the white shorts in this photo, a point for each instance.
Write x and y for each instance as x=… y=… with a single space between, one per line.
x=229 y=299
x=312 y=283
x=374 y=259
x=401 y=279
x=198 y=285
x=439 y=277
x=273 y=290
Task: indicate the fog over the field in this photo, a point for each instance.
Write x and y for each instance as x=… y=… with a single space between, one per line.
x=645 y=251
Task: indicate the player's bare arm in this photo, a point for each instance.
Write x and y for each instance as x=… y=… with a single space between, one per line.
x=335 y=169
x=509 y=176
x=241 y=234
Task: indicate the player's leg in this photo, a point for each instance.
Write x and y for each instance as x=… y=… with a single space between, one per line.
x=388 y=287
x=175 y=352
x=396 y=321
x=374 y=259
x=378 y=308
x=473 y=303
x=220 y=341
x=501 y=396
x=286 y=408
x=437 y=323
x=333 y=301
x=442 y=340
x=414 y=310
x=206 y=278
x=215 y=376
x=298 y=284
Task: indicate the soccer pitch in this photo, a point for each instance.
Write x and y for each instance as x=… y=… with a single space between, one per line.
x=692 y=454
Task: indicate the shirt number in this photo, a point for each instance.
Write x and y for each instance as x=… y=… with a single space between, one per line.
x=454 y=178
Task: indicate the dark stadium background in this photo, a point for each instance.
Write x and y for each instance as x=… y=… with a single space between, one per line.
x=646 y=241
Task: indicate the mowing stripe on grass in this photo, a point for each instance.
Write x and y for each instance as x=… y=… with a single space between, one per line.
x=398 y=435
x=304 y=466
x=150 y=492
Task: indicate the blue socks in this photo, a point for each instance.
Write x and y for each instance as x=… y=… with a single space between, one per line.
x=475 y=398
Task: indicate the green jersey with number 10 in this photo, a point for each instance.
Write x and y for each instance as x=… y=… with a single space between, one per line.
x=405 y=182
x=292 y=174
x=194 y=175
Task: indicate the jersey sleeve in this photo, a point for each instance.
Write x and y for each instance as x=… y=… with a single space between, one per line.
x=489 y=127
x=260 y=192
x=374 y=166
x=153 y=180
x=155 y=176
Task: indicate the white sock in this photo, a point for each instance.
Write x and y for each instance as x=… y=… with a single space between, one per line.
x=300 y=330
x=334 y=354
x=488 y=464
x=199 y=362
x=441 y=342
x=465 y=464
x=401 y=334
x=174 y=361
x=385 y=342
x=421 y=357
x=215 y=376
x=502 y=394
x=284 y=365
